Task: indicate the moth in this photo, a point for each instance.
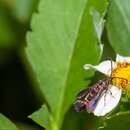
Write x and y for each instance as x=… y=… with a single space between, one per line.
x=88 y=98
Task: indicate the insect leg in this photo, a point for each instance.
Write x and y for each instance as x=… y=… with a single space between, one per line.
x=106 y=91
x=111 y=93
x=105 y=97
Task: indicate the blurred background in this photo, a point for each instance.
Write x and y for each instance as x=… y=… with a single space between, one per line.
x=18 y=98
x=19 y=94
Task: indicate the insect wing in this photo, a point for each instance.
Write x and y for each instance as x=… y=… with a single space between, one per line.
x=83 y=93
x=95 y=93
x=79 y=104
x=93 y=103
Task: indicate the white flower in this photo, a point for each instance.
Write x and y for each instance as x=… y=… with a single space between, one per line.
x=107 y=102
x=120 y=69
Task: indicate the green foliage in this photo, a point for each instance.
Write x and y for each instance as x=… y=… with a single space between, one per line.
x=7 y=36
x=42 y=117
x=58 y=48
x=120 y=121
x=118 y=26
x=64 y=35
x=6 y=124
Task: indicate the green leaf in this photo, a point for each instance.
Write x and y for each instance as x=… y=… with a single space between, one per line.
x=62 y=40
x=41 y=117
x=120 y=121
x=118 y=26
x=6 y=124
x=98 y=22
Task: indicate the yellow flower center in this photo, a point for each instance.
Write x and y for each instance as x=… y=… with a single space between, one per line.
x=121 y=75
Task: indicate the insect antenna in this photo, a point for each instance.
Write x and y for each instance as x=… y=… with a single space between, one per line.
x=111 y=72
x=111 y=65
x=119 y=78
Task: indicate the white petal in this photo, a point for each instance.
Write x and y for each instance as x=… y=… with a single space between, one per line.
x=108 y=101
x=104 y=67
x=120 y=58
